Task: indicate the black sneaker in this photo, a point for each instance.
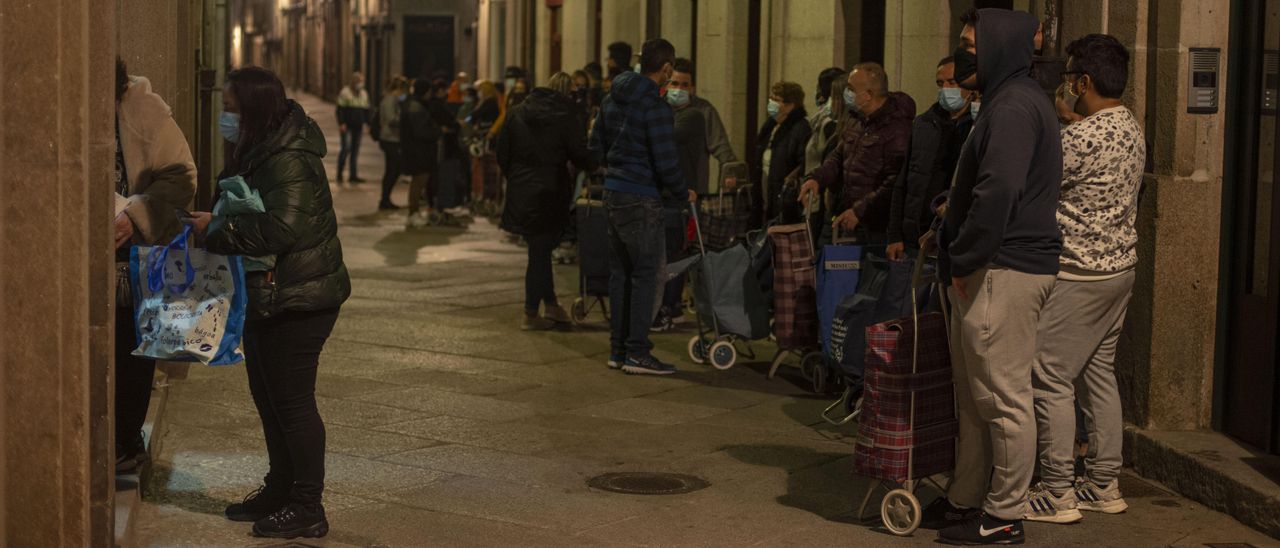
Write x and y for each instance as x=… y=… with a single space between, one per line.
x=293 y=521
x=259 y=504
x=387 y=206
x=647 y=365
x=941 y=513
x=356 y=180
x=131 y=458
x=983 y=529
x=662 y=324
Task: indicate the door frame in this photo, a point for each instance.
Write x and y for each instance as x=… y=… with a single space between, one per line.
x=1246 y=380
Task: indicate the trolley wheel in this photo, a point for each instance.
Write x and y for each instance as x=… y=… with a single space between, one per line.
x=723 y=355
x=578 y=311
x=900 y=512
x=819 y=380
x=810 y=364
x=698 y=350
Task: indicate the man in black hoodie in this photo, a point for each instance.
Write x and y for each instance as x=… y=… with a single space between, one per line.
x=1000 y=245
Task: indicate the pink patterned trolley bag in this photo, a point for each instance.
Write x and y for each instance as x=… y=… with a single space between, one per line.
x=907 y=425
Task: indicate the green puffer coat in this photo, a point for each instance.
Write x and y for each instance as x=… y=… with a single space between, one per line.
x=299 y=226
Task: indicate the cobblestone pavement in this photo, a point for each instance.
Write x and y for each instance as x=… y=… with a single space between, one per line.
x=448 y=426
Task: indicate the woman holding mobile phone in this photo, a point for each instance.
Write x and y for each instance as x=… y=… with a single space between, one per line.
x=293 y=306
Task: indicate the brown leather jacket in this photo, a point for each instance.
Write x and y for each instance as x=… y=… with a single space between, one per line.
x=869 y=156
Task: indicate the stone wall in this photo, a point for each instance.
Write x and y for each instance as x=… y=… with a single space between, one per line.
x=56 y=155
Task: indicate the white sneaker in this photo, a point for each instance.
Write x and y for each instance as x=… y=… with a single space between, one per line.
x=1096 y=499
x=416 y=220
x=460 y=211
x=1043 y=505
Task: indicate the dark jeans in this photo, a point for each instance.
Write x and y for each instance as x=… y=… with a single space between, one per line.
x=389 y=177
x=539 y=279
x=675 y=233
x=350 y=140
x=134 y=377
x=282 y=354
x=637 y=253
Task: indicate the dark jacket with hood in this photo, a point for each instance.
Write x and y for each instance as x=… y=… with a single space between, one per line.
x=299 y=226
x=787 y=142
x=634 y=136
x=537 y=142
x=862 y=167
x=936 y=138
x=423 y=121
x=1003 y=204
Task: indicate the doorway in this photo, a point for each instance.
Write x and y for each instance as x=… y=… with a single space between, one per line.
x=1250 y=398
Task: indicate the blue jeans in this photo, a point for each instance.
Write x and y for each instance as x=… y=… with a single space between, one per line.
x=637 y=253
x=350 y=143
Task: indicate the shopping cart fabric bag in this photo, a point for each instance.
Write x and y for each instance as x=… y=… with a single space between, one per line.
x=189 y=304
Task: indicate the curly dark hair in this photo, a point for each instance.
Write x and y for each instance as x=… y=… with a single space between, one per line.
x=1104 y=59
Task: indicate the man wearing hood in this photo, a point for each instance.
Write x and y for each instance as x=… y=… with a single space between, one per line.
x=1000 y=245
x=862 y=167
x=634 y=135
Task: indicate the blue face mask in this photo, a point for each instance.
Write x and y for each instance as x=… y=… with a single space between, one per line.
x=229 y=126
x=951 y=99
x=773 y=108
x=677 y=97
x=973 y=109
x=850 y=100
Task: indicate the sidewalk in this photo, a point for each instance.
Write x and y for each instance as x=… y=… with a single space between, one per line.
x=448 y=426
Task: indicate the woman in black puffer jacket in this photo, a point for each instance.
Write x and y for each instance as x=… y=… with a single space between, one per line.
x=538 y=140
x=294 y=305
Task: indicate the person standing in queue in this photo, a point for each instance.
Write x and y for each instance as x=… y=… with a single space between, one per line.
x=999 y=249
x=293 y=307
x=540 y=138
x=635 y=135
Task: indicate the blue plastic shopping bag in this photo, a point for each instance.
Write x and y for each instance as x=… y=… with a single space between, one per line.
x=839 y=267
x=189 y=304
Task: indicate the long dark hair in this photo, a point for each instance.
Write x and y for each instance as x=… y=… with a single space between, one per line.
x=263 y=106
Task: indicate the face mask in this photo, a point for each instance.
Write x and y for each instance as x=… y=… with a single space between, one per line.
x=973 y=109
x=773 y=108
x=510 y=84
x=966 y=65
x=229 y=126
x=359 y=87
x=678 y=97
x=950 y=99
x=636 y=69
x=850 y=100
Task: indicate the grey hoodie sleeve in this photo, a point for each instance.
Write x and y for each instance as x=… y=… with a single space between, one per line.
x=1006 y=149
x=717 y=138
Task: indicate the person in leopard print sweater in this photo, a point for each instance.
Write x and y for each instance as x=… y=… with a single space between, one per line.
x=1103 y=153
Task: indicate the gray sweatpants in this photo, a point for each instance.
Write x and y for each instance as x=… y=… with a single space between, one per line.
x=1075 y=362
x=993 y=348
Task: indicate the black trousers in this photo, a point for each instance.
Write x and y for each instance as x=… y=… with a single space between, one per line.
x=539 y=278
x=392 y=173
x=134 y=377
x=282 y=354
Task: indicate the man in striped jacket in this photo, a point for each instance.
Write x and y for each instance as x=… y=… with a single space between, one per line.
x=634 y=137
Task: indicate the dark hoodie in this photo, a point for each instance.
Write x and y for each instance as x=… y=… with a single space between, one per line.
x=863 y=167
x=634 y=136
x=537 y=141
x=1004 y=199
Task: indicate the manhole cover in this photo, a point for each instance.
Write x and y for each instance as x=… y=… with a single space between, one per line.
x=647 y=483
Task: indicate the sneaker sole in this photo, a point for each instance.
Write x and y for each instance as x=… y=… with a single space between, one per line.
x=315 y=531
x=245 y=518
x=1065 y=517
x=1109 y=507
x=980 y=543
x=633 y=370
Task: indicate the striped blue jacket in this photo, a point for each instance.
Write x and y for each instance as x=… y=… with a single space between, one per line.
x=635 y=138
